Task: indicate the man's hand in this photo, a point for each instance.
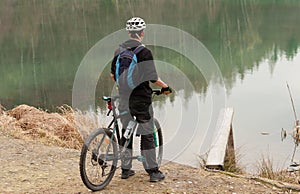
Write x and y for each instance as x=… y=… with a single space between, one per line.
x=166 y=90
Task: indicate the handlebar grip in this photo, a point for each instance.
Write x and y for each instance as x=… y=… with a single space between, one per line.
x=166 y=90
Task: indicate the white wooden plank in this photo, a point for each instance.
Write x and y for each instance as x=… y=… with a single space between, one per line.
x=217 y=152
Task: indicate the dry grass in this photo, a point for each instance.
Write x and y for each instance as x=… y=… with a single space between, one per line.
x=232 y=161
x=2 y=109
x=67 y=128
x=87 y=121
x=26 y=122
x=266 y=169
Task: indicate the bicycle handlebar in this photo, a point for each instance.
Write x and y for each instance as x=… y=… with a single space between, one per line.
x=156 y=91
x=110 y=100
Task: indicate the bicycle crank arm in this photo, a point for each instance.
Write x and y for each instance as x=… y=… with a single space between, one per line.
x=139 y=158
x=107 y=157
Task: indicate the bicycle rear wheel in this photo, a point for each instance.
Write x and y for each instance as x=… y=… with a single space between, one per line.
x=98 y=159
x=158 y=140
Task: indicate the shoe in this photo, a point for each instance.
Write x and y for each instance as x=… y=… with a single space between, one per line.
x=127 y=173
x=156 y=176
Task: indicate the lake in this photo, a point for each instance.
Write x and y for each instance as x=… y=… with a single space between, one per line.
x=214 y=53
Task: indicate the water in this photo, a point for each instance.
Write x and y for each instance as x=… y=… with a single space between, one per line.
x=255 y=44
x=266 y=108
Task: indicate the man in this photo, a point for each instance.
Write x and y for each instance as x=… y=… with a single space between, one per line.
x=138 y=100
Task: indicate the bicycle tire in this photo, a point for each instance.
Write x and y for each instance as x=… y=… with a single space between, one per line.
x=102 y=157
x=158 y=142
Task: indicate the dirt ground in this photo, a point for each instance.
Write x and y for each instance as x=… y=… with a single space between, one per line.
x=39 y=153
x=31 y=167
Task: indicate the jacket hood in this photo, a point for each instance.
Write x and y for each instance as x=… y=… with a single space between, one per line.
x=130 y=44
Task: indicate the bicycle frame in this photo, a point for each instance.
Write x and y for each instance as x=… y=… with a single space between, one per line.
x=115 y=130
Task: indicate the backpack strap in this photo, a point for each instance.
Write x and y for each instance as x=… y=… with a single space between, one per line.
x=117 y=69
x=138 y=49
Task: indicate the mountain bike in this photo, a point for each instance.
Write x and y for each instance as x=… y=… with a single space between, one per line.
x=101 y=150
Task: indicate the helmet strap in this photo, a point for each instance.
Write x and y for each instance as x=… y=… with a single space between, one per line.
x=139 y=38
x=136 y=36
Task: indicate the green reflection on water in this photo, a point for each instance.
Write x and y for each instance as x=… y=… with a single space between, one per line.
x=43 y=42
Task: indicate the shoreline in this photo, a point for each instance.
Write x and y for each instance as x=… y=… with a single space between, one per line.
x=39 y=168
x=29 y=125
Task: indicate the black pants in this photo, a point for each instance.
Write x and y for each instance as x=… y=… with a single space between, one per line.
x=143 y=112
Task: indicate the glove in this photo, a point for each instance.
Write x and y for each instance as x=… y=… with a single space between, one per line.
x=166 y=90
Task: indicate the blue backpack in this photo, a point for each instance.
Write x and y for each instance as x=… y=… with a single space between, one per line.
x=125 y=65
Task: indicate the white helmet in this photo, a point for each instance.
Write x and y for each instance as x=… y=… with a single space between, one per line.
x=135 y=24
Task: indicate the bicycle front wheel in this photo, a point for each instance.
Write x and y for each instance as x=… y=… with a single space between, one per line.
x=98 y=159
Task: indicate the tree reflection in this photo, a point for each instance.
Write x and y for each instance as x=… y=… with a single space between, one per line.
x=43 y=42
